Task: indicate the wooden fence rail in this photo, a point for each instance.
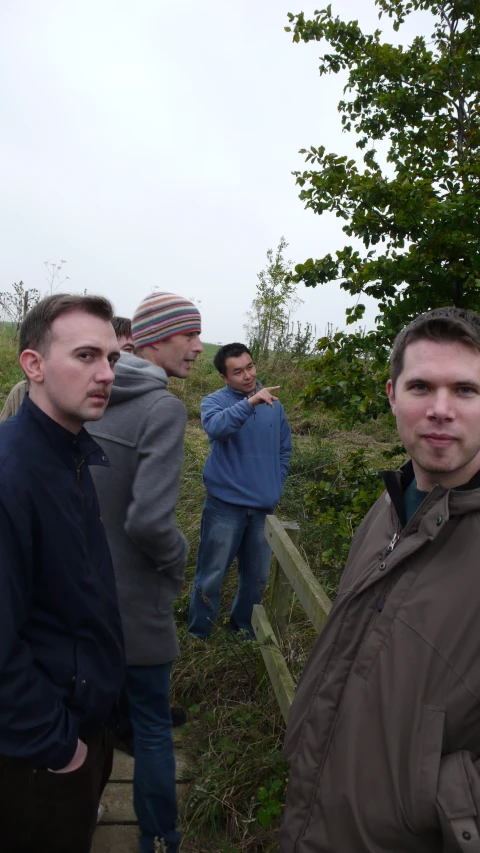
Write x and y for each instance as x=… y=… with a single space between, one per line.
x=290 y=574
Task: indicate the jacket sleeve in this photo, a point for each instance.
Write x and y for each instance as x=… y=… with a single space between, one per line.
x=458 y=802
x=285 y=445
x=150 y=521
x=34 y=724
x=219 y=423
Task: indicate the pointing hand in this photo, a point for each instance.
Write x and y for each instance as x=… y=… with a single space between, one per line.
x=264 y=396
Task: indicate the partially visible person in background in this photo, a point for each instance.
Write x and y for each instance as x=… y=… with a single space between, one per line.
x=123 y=331
x=61 y=643
x=143 y=433
x=14 y=400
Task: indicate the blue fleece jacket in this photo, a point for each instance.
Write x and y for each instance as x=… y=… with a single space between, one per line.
x=250 y=447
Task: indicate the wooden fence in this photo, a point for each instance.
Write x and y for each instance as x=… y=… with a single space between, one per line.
x=290 y=575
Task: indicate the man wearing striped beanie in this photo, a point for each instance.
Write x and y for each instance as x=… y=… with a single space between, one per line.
x=164 y=327
x=143 y=432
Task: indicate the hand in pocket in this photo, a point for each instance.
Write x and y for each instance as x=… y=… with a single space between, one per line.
x=78 y=759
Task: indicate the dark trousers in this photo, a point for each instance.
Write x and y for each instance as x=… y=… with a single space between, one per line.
x=44 y=812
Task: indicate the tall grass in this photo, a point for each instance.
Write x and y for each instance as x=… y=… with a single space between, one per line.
x=10 y=370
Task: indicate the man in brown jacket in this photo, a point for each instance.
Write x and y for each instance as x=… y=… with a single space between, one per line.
x=383 y=737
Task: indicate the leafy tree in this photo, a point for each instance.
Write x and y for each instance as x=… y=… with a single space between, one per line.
x=418 y=213
x=271 y=310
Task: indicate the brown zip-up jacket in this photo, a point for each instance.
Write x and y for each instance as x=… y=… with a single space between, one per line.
x=383 y=737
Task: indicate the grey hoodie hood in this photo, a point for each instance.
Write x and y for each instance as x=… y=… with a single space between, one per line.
x=135 y=376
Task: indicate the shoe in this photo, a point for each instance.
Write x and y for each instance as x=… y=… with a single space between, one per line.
x=179 y=717
x=100 y=813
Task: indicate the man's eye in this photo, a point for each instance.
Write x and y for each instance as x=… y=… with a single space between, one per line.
x=466 y=390
x=85 y=356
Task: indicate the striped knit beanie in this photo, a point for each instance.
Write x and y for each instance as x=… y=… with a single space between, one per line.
x=162 y=315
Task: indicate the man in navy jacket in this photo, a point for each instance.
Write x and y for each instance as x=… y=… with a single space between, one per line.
x=250 y=447
x=61 y=644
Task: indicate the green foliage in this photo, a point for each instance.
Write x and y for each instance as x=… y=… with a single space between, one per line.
x=10 y=370
x=271 y=797
x=341 y=501
x=418 y=215
x=349 y=377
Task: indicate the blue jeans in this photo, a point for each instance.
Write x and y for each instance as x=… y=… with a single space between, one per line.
x=229 y=531
x=154 y=792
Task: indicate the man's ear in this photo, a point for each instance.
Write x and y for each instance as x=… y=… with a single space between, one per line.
x=32 y=364
x=391 y=396
x=224 y=378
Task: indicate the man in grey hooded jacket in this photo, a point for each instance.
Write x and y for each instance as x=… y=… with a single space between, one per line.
x=143 y=432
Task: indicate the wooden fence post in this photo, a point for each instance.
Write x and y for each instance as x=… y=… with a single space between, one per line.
x=279 y=595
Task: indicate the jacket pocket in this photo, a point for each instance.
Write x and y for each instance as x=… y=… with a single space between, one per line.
x=433 y=724
x=458 y=799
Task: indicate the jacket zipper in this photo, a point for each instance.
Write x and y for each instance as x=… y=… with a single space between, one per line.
x=82 y=497
x=87 y=534
x=396 y=537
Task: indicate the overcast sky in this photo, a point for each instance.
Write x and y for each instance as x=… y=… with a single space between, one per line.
x=151 y=145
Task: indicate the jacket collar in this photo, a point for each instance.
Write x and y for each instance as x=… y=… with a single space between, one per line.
x=64 y=442
x=397 y=481
x=240 y=395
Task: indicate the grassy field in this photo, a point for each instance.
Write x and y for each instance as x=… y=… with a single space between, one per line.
x=234 y=729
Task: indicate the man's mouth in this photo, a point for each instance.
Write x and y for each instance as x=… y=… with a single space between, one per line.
x=439 y=439
x=98 y=395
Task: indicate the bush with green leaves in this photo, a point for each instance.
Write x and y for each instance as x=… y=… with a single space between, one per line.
x=340 y=501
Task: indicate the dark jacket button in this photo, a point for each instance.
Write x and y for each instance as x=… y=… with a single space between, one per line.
x=466 y=835
x=439 y=520
x=382 y=566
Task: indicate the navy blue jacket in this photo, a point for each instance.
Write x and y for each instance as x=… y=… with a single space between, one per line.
x=61 y=644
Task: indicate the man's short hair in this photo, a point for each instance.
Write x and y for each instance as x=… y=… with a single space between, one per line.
x=442 y=325
x=35 y=331
x=229 y=351
x=122 y=327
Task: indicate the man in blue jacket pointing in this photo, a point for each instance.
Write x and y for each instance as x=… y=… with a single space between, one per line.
x=250 y=447
x=61 y=643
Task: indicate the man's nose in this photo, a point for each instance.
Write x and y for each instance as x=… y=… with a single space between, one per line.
x=198 y=346
x=441 y=406
x=105 y=374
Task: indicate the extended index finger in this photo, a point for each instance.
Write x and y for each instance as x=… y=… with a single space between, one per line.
x=272 y=388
